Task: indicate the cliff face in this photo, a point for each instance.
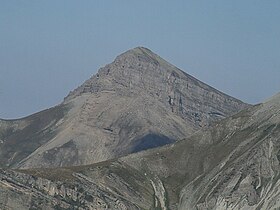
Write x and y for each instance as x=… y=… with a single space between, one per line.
x=234 y=164
x=138 y=102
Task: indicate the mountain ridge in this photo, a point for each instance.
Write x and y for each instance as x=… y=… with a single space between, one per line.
x=204 y=171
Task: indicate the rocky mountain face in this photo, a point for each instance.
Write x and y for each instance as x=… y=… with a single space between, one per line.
x=234 y=164
x=138 y=102
x=248 y=176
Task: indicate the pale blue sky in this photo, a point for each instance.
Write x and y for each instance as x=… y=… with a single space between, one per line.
x=48 y=48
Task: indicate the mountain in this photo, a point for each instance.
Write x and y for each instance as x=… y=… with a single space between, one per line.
x=139 y=101
x=234 y=164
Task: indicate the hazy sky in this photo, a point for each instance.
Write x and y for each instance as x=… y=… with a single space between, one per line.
x=48 y=48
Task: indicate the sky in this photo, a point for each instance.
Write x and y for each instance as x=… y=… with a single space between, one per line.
x=48 y=48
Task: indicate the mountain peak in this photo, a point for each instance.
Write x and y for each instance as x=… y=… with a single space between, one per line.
x=139 y=54
x=136 y=65
x=137 y=102
x=139 y=70
x=143 y=55
x=139 y=50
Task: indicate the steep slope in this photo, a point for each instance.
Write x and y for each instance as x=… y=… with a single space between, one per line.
x=249 y=176
x=137 y=102
x=232 y=165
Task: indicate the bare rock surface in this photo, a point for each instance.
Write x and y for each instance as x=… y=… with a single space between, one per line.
x=137 y=102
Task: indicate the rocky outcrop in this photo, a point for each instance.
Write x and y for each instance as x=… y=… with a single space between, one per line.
x=71 y=189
